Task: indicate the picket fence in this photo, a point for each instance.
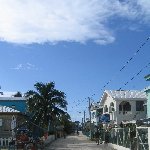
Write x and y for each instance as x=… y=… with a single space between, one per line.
x=4 y=142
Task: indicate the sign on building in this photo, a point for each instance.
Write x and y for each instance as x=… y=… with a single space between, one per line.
x=1 y=122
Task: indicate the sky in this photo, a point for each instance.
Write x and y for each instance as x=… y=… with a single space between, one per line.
x=84 y=46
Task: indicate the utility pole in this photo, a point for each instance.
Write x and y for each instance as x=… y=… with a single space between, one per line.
x=82 y=124
x=90 y=117
x=84 y=117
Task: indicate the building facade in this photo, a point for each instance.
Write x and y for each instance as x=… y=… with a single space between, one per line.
x=9 y=120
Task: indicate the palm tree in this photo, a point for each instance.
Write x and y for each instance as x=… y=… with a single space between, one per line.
x=46 y=103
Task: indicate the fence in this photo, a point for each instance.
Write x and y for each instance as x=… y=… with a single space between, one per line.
x=121 y=136
x=142 y=138
x=133 y=139
x=4 y=142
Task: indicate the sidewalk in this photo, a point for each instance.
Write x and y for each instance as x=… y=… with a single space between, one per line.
x=76 y=142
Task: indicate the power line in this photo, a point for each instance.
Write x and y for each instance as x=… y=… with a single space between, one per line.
x=129 y=60
x=122 y=68
x=137 y=74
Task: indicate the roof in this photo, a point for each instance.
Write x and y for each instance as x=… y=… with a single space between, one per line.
x=127 y=94
x=7 y=109
x=10 y=96
x=124 y=94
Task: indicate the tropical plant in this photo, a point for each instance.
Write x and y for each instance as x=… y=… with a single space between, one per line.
x=46 y=103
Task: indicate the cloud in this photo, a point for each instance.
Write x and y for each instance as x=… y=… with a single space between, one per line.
x=27 y=66
x=36 y=21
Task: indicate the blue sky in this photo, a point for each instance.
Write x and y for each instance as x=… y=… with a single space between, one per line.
x=80 y=45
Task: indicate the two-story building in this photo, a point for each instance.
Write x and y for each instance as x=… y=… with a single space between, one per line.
x=124 y=105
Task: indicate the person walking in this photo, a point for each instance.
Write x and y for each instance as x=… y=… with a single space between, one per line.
x=101 y=135
x=106 y=136
x=97 y=137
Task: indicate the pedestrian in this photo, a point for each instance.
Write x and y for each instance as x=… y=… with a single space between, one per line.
x=64 y=134
x=97 y=137
x=106 y=136
x=101 y=135
x=77 y=132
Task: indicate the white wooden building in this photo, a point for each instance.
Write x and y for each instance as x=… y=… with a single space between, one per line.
x=124 y=105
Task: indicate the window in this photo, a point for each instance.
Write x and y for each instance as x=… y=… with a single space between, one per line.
x=105 y=108
x=124 y=106
x=13 y=106
x=139 y=105
x=93 y=115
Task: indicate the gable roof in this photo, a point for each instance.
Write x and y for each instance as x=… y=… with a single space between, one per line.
x=7 y=109
x=124 y=94
x=127 y=94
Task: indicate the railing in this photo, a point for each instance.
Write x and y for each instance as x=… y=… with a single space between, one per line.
x=136 y=139
x=121 y=137
x=4 y=142
x=142 y=138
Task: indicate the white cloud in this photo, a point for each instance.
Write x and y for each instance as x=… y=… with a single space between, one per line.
x=36 y=21
x=145 y=9
x=27 y=66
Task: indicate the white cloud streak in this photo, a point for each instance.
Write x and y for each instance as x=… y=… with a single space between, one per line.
x=36 y=21
x=27 y=66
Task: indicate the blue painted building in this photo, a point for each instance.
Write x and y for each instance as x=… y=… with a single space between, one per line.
x=17 y=103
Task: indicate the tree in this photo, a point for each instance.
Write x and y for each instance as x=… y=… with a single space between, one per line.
x=65 y=120
x=46 y=103
x=18 y=94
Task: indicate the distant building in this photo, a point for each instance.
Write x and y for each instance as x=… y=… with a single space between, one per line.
x=96 y=112
x=147 y=90
x=124 y=105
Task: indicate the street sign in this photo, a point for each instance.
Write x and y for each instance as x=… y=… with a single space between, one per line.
x=13 y=122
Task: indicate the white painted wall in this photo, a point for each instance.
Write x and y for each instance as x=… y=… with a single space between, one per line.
x=129 y=116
